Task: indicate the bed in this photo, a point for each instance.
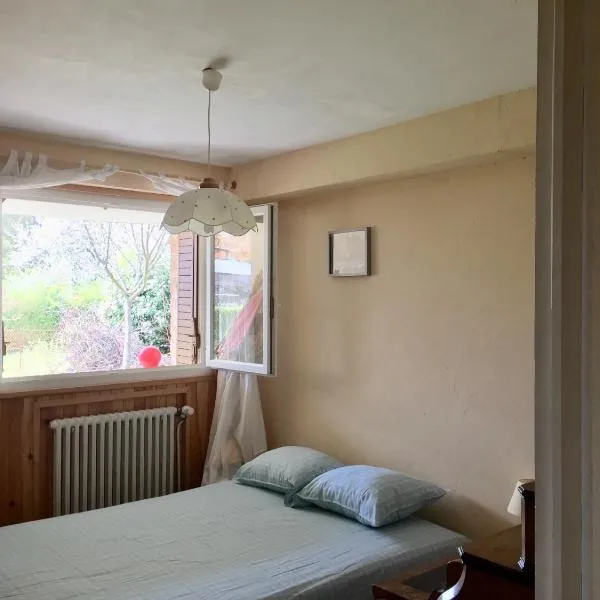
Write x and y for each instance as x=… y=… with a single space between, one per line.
x=224 y=541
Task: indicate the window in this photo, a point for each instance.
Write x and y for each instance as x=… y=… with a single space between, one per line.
x=240 y=301
x=87 y=286
x=91 y=283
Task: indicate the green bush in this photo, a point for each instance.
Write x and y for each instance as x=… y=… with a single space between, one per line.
x=224 y=318
x=38 y=358
x=89 y=294
x=150 y=312
x=32 y=303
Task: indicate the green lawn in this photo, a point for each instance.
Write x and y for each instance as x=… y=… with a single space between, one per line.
x=40 y=358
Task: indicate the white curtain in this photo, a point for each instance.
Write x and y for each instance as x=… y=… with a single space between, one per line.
x=24 y=175
x=166 y=185
x=237 y=433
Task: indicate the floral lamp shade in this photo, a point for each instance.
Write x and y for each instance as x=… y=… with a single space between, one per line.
x=208 y=211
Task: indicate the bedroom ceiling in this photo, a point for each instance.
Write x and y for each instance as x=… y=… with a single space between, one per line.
x=127 y=74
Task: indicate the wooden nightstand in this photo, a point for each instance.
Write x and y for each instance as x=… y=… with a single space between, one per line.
x=419 y=584
x=493 y=571
x=489 y=569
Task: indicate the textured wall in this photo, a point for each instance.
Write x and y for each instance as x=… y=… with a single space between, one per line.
x=426 y=366
x=468 y=135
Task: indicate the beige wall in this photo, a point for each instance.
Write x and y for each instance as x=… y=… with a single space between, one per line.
x=427 y=365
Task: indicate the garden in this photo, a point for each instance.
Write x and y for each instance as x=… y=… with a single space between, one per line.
x=82 y=295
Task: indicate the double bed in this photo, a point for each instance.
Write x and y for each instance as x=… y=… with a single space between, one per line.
x=225 y=541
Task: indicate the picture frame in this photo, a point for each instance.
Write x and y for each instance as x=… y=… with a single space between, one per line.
x=350 y=252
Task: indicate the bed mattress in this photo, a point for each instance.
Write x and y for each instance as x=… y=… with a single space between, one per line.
x=224 y=541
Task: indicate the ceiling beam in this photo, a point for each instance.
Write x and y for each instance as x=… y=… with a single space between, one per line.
x=471 y=134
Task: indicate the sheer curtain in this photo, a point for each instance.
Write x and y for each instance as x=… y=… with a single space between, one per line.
x=168 y=185
x=237 y=433
x=24 y=175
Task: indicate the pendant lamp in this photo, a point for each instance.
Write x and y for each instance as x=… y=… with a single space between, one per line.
x=209 y=209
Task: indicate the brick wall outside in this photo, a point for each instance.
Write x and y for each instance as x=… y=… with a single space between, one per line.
x=183 y=311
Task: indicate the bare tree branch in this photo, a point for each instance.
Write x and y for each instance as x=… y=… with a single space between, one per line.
x=104 y=262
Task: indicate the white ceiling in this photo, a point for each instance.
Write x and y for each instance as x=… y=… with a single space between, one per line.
x=126 y=73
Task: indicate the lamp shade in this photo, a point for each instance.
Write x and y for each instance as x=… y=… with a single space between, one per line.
x=208 y=211
x=514 y=506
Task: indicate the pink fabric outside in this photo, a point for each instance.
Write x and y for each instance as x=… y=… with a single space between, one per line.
x=241 y=326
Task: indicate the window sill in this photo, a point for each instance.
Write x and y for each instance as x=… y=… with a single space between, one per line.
x=43 y=383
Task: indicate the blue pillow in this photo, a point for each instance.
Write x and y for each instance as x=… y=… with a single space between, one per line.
x=370 y=495
x=285 y=470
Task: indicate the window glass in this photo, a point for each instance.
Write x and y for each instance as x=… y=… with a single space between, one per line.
x=84 y=288
x=239 y=298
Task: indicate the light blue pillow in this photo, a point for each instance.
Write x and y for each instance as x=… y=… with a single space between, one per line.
x=285 y=470
x=370 y=495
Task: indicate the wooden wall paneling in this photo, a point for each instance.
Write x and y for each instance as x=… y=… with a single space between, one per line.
x=190 y=442
x=117 y=405
x=26 y=441
x=27 y=453
x=11 y=464
x=15 y=470
x=206 y=392
x=82 y=410
x=37 y=460
x=44 y=450
x=140 y=403
x=201 y=397
x=4 y=459
x=9 y=493
x=128 y=404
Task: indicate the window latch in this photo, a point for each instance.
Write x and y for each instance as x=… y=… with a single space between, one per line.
x=197 y=340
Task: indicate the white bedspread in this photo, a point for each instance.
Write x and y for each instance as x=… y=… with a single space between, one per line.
x=225 y=542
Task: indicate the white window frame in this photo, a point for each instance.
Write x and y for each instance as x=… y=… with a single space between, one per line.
x=269 y=214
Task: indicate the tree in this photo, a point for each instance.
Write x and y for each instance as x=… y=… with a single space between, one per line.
x=17 y=232
x=91 y=342
x=151 y=312
x=128 y=254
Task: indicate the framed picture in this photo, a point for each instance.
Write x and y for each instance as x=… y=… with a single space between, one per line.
x=350 y=252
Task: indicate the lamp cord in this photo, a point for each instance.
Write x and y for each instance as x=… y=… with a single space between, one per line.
x=209 y=132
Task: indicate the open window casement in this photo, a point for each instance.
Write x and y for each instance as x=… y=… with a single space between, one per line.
x=239 y=302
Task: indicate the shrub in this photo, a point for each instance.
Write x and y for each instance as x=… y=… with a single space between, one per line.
x=92 y=343
x=150 y=312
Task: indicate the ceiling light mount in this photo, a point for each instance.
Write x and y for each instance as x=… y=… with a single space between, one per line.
x=209 y=182
x=211 y=79
x=209 y=209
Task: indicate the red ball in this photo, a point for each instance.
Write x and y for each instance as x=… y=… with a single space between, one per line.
x=149 y=357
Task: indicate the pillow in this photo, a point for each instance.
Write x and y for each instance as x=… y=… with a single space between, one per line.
x=285 y=470
x=370 y=495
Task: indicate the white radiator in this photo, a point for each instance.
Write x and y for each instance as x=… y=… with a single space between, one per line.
x=110 y=459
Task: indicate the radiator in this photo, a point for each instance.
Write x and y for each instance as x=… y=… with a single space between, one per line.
x=114 y=458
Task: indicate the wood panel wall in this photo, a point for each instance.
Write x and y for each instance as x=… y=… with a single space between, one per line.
x=26 y=439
